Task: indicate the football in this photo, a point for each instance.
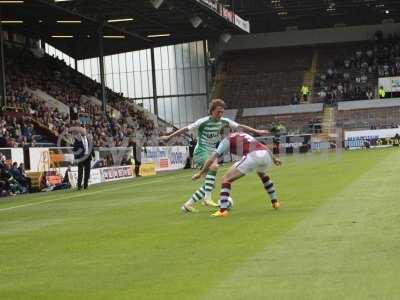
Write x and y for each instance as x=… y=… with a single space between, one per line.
x=230 y=203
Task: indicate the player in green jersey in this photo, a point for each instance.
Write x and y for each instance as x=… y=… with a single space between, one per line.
x=208 y=135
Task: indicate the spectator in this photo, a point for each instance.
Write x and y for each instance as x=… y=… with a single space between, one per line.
x=33 y=143
x=369 y=93
x=27 y=179
x=192 y=146
x=381 y=92
x=304 y=92
x=322 y=95
x=295 y=99
x=66 y=178
x=11 y=184
x=16 y=174
x=126 y=161
x=137 y=156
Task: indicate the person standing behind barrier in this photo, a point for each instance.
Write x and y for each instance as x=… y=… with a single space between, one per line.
x=22 y=171
x=192 y=146
x=295 y=99
x=137 y=156
x=381 y=93
x=83 y=153
x=304 y=92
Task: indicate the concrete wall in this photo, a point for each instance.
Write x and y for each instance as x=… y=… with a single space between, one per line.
x=307 y=37
x=364 y=104
x=284 y=109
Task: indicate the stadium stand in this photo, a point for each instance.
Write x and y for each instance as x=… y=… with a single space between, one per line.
x=372 y=114
x=344 y=72
x=349 y=71
x=304 y=118
x=17 y=130
x=45 y=96
x=287 y=109
x=53 y=88
x=42 y=96
x=266 y=77
x=260 y=84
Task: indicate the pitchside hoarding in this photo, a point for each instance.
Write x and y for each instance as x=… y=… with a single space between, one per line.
x=115 y=173
x=371 y=138
x=390 y=84
x=103 y=175
x=95 y=177
x=166 y=158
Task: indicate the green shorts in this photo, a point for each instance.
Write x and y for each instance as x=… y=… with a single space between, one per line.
x=200 y=158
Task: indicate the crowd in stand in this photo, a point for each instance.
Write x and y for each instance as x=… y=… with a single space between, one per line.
x=68 y=86
x=27 y=119
x=17 y=133
x=13 y=179
x=351 y=77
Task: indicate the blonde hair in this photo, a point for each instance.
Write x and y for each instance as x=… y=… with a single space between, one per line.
x=214 y=104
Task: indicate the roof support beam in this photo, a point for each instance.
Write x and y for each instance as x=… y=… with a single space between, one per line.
x=3 y=92
x=140 y=15
x=101 y=64
x=90 y=19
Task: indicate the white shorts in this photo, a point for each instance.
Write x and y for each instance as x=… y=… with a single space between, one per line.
x=259 y=160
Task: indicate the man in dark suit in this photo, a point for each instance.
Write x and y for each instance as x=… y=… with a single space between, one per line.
x=137 y=156
x=83 y=153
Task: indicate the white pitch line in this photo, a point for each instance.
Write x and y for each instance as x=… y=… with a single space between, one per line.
x=88 y=193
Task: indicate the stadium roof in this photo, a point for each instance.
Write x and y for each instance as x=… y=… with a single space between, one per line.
x=278 y=15
x=72 y=25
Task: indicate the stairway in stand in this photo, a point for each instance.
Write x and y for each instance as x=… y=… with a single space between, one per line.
x=329 y=123
x=310 y=75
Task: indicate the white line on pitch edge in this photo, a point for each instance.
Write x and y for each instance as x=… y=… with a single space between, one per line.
x=88 y=193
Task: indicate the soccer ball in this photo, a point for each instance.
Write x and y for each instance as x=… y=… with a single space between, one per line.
x=230 y=205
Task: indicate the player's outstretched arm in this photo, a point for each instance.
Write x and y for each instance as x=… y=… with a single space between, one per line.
x=178 y=132
x=253 y=130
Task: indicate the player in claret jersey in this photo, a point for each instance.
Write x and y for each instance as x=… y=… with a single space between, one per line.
x=256 y=156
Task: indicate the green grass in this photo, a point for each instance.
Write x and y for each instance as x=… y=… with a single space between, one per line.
x=337 y=236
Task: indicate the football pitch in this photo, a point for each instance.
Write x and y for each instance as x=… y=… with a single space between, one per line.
x=336 y=236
